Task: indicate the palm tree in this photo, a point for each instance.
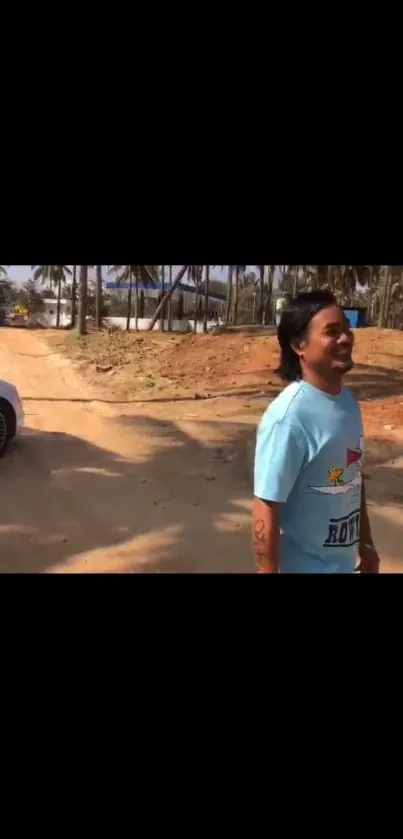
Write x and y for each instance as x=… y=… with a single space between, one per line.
x=261 y=269
x=371 y=269
x=197 y=278
x=4 y=289
x=396 y=298
x=386 y=295
x=238 y=270
x=170 y=301
x=167 y=296
x=194 y=276
x=162 y=292
x=54 y=275
x=98 y=297
x=270 y=308
x=74 y=297
x=82 y=299
x=229 y=294
x=235 y=296
x=206 y=297
x=148 y=275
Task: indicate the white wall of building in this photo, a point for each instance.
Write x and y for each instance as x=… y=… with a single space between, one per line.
x=184 y=325
x=48 y=316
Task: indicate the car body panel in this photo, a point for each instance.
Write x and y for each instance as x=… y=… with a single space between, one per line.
x=10 y=393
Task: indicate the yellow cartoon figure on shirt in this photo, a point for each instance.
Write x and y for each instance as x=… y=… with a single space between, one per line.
x=339 y=479
x=335 y=476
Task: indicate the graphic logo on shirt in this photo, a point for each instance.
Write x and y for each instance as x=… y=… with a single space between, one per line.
x=343 y=532
x=339 y=482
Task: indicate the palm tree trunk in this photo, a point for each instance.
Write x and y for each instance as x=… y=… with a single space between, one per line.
x=170 y=301
x=229 y=294
x=197 y=279
x=59 y=297
x=369 y=303
x=382 y=303
x=181 y=306
x=295 y=282
x=167 y=296
x=82 y=300
x=261 y=295
x=206 y=297
x=236 y=295
x=98 y=297
x=269 y=299
x=315 y=279
x=129 y=300
x=387 y=296
x=73 y=297
x=162 y=292
x=136 y=299
x=384 y=295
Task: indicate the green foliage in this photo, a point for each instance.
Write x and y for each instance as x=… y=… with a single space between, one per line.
x=31 y=298
x=7 y=293
x=147 y=274
x=51 y=274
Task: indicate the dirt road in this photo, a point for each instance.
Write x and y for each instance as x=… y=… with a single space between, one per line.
x=96 y=486
x=92 y=486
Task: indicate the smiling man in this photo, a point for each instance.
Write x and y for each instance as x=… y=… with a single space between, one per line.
x=309 y=511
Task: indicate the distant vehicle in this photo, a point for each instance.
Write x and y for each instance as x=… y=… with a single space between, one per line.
x=11 y=414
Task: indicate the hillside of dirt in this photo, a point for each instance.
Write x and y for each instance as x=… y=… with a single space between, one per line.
x=162 y=367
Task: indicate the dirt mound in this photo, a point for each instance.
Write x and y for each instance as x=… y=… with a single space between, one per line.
x=171 y=366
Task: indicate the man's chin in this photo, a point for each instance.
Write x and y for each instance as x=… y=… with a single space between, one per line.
x=343 y=367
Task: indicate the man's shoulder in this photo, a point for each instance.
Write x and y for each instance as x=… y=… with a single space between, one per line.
x=285 y=406
x=349 y=398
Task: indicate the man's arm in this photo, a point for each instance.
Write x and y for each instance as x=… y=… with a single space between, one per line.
x=278 y=461
x=368 y=554
x=266 y=536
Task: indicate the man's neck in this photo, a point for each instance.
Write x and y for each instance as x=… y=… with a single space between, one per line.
x=328 y=385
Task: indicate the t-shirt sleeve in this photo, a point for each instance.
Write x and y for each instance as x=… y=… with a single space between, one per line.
x=279 y=459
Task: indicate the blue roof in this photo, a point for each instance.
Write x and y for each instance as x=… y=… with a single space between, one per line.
x=112 y=284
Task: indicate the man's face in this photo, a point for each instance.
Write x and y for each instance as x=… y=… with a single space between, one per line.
x=328 y=343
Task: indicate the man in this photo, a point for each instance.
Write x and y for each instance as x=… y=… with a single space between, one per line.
x=309 y=511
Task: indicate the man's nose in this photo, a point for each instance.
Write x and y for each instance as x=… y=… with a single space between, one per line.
x=346 y=338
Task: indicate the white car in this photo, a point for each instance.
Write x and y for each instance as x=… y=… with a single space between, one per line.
x=11 y=414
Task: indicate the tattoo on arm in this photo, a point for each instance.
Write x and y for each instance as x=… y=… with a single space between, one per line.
x=260 y=545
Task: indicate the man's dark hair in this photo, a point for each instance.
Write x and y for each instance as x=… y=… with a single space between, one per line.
x=295 y=319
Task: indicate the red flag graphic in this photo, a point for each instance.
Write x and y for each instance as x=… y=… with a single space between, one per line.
x=353 y=457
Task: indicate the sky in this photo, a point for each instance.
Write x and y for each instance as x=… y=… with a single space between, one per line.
x=20 y=273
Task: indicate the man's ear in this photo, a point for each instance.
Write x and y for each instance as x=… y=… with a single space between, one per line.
x=298 y=346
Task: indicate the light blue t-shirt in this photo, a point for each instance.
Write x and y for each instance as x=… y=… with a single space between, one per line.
x=309 y=457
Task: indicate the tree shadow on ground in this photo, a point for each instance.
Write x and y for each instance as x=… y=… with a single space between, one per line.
x=181 y=506
x=365 y=380
x=387 y=532
x=368 y=382
x=383 y=471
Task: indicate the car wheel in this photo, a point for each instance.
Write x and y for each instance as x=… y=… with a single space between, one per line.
x=6 y=424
